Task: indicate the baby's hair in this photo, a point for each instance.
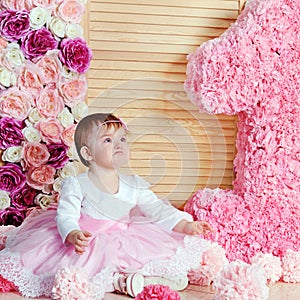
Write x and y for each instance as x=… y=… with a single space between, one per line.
x=86 y=125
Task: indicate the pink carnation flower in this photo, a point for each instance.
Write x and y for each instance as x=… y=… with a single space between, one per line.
x=291 y=266
x=212 y=262
x=6 y=286
x=241 y=281
x=157 y=292
x=72 y=283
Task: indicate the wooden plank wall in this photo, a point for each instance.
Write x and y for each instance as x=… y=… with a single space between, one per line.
x=137 y=72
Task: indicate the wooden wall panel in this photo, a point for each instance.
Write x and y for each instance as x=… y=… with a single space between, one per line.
x=137 y=72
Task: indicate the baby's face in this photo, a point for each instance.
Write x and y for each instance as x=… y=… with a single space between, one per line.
x=109 y=148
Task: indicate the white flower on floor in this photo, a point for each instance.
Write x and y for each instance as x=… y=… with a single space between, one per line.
x=291 y=266
x=271 y=265
x=241 y=281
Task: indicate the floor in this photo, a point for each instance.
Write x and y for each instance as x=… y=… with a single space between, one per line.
x=279 y=291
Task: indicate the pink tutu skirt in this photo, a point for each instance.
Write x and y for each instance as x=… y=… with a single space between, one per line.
x=34 y=252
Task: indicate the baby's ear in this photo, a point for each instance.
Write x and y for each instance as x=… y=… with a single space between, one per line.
x=85 y=153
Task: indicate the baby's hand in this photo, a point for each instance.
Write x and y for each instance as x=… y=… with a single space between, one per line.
x=80 y=240
x=197 y=227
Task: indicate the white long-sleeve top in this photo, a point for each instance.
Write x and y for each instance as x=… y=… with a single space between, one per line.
x=80 y=196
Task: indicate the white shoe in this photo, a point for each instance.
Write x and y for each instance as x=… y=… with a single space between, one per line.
x=135 y=284
x=129 y=284
x=174 y=284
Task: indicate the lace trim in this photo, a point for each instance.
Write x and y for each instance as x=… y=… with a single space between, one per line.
x=28 y=284
x=102 y=281
x=186 y=258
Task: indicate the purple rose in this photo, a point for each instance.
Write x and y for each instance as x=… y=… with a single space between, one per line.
x=11 y=216
x=14 y=24
x=75 y=54
x=36 y=43
x=23 y=197
x=58 y=155
x=11 y=177
x=10 y=132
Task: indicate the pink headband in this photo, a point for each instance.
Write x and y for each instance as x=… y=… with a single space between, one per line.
x=115 y=121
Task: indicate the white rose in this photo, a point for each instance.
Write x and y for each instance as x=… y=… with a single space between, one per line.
x=34 y=116
x=65 y=117
x=79 y=110
x=72 y=153
x=6 y=77
x=66 y=73
x=12 y=154
x=43 y=200
x=31 y=134
x=4 y=199
x=57 y=184
x=70 y=169
x=58 y=27
x=39 y=16
x=74 y=30
x=14 y=57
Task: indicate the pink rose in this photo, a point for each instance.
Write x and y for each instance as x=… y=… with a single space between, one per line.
x=15 y=4
x=58 y=155
x=29 y=79
x=23 y=198
x=44 y=3
x=68 y=135
x=39 y=177
x=11 y=177
x=15 y=104
x=10 y=132
x=35 y=154
x=37 y=43
x=11 y=216
x=75 y=54
x=50 y=67
x=14 y=24
x=50 y=129
x=70 y=11
x=73 y=90
x=49 y=103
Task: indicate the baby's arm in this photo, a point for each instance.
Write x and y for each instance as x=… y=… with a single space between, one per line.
x=80 y=240
x=193 y=228
x=68 y=214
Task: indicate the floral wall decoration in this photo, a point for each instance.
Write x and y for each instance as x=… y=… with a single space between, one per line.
x=43 y=61
x=253 y=70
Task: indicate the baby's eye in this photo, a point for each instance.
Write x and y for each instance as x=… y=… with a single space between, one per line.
x=108 y=140
x=123 y=139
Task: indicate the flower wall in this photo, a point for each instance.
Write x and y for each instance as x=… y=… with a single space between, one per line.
x=253 y=70
x=43 y=58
